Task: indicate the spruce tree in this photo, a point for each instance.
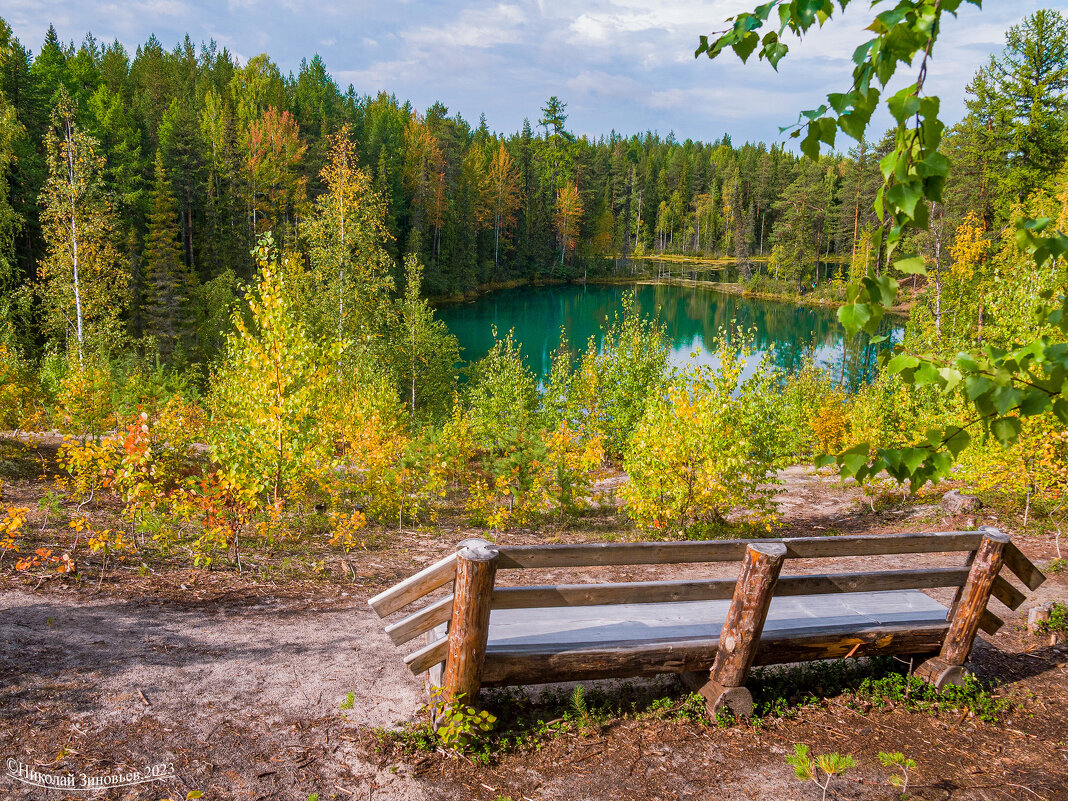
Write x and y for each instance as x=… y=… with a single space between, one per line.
x=169 y=283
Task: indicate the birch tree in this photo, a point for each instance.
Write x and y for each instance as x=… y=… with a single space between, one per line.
x=345 y=237
x=83 y=285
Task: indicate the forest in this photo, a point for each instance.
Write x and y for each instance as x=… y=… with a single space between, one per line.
x=209 y=255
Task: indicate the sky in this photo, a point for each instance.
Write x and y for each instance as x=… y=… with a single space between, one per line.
x=623 y=65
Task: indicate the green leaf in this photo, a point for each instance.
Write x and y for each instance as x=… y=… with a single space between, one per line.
x=1006 y=429
x=1005 y=398
x=1034 y=402
x=853 y=459
x=902 y=361
x=957 y=441
x=1060 y=408
x=912 y=265
x=950 y=377
x=745 y=47
x=912 y=458
x=854 y=317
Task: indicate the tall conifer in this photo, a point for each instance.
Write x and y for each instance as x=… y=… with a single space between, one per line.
x=169 y=283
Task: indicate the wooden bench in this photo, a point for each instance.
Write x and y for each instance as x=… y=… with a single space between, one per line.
x=712 y=631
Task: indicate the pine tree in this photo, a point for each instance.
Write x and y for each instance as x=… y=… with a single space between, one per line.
x=169 y=283
x=1032 y=79
x=11 y=130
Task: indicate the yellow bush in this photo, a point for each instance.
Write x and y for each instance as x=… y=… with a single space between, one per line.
x=829 y=421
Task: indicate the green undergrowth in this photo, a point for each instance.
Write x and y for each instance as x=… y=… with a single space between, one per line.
x=527 y=721
x=1058 y=620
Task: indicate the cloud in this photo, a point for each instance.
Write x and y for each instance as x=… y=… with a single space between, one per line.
x=626 y=65
x=475 y=28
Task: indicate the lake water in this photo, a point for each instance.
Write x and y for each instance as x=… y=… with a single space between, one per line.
x=693 y=317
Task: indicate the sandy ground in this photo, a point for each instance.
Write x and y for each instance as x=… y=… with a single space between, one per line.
x=122 y=665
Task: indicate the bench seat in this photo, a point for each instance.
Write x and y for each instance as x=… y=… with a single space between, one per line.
x=587 y=642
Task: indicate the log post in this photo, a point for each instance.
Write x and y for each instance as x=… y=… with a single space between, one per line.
x=948 y=667
x=476 y=568
x=740 y=636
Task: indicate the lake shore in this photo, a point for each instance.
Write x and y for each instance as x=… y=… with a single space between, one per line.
x=726 y=287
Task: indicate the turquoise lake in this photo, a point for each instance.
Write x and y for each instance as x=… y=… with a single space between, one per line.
x=692 y=316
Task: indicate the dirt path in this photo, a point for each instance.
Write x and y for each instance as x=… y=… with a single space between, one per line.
x=272 y=673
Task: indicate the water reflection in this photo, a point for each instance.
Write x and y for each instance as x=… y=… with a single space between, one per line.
x=692 y=316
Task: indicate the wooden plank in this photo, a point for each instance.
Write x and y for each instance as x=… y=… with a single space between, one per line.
x=420 y=622
x=429 y=655
x=415 y=587
x=435 y=673
x=990 y=623
x=647 y=592
x=654 y=553
x=546 y=663
x=1007 y=594
x=629 y=592
x=879 y=581
x=476 y=567
x=901 y=639
x=1021 y=566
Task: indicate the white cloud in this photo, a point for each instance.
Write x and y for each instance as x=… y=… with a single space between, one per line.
x=472 y=28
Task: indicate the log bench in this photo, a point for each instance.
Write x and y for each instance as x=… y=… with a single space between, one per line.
x=712 y=631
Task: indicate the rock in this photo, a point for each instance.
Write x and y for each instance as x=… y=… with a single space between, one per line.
x=955 y=503
x=1037 y=616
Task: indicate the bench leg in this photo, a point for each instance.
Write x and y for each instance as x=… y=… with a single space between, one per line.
x=948 y=667
x=725 y=689
x=476 y=568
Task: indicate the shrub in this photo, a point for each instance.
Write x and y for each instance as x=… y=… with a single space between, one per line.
x=84 y=396
x=268 y=398
x=703 y=449
x=17 y=392
x=617 y=380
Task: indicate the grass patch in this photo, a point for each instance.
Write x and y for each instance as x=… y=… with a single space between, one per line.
x=1058 y=620
x=528 y=721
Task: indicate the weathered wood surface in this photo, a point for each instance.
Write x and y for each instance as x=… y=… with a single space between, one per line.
x=658 y=553
x=566 y=662
x=740 y=635
x=741 y=631
x=435 y=674
x=1021 y=566
x=829 y=583
x=974 y=598
x=960 y=589
x=421 y=622
x=429 y=655
x=1007 y=594
x=415 y=587
x=990 y=623
x=654 y=592
x=940 y=673
x=476 y=567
